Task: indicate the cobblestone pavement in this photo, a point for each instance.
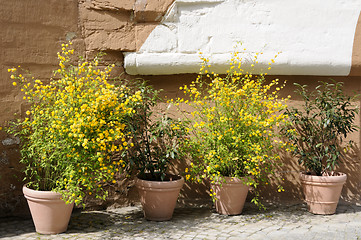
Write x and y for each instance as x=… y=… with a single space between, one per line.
x=277 y=222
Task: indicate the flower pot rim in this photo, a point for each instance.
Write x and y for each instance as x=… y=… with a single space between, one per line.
x=159 y=198
x=38 y=194
x=43 y=191
x=49 y=211
x=160 y=184
x=175 y=176
x=342 y=177
x=232 y=180
x=322 y=193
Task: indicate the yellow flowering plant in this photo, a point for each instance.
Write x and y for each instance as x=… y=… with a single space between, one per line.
x=233 y=124
x=75 y=124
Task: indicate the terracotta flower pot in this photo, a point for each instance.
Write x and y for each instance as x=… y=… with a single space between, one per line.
x=49 y=212
x=322 y=192
x=159 y=198
x=230 y=195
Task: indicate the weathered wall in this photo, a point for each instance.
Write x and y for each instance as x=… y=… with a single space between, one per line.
x=118 y=26
x=30 y=36
x=31 y=31
x=317 y=40
x=289 y=170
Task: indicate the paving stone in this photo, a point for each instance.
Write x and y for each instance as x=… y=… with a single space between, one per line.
x=278 y=222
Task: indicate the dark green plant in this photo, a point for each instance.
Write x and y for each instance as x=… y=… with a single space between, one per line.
x=155 y=137
x=318 y=130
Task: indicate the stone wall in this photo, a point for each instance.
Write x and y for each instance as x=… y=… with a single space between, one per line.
x=170 y=44
x=31 y=32
x=319 y=40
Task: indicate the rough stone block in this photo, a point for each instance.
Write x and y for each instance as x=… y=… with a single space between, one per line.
x=29 y=44
x=110 y=57
x=126 y=5
x=31 y=33
x=121 y=40
x=103 y=20
x=62 y=14
x=12 y=201
x=150 y=10
x=8 y=109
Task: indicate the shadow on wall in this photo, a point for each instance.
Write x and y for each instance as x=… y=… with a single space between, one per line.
x=288 y=176
x=192 y=194
x=288 y=172
x=351 y=166
x=290 y=169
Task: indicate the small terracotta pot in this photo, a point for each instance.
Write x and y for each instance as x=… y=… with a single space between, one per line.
x=230 y=195
x=50 y=213
x=159 y=198
x=322 y=192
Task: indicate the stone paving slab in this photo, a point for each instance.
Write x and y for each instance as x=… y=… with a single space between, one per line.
x=277 y=222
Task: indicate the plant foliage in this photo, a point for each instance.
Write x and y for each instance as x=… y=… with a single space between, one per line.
x=75 y=123
x=232 y=125
x=320 y=127
x=155 y=136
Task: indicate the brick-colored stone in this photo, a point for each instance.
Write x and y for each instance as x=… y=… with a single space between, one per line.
x=8 y=109
x=103 y=20
x=120 y=40
x=107 y=30
x=30 y=36
x=150 y=10
x=356 y=51
x=55 y=13
x=126 y=5
x=12 y=201
x=110 y=57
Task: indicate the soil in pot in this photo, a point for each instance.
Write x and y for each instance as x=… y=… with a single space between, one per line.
x=50 y=213
x=322 y=193
x=159 y=198
x=230 y=195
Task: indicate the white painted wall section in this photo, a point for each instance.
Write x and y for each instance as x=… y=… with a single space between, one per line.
x=315 y=36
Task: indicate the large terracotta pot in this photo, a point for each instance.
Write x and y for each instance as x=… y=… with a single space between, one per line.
x=230 y=195
x=159 y=198
x=49 y=212
x=322 y=192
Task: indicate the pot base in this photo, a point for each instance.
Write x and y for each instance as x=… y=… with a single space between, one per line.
x=158 y=199
x=231 y=196
x=321 y=208
x=50 y=213
x=322 y=193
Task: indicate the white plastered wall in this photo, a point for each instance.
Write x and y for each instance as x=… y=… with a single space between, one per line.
x=315 y=37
